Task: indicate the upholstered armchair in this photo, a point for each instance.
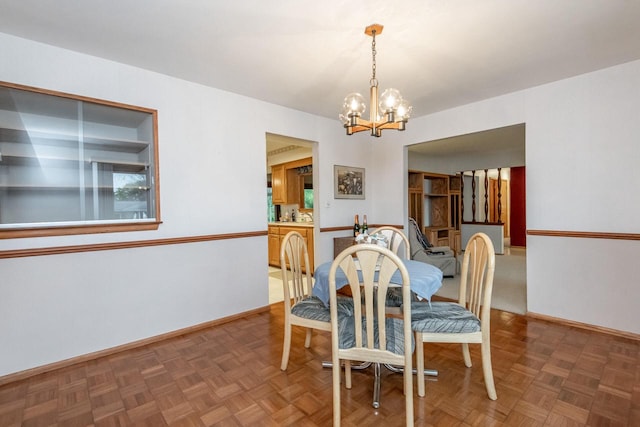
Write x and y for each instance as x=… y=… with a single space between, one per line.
x=422 y=250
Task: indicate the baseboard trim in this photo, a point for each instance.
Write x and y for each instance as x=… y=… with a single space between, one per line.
x=586 y=326
x=28 y=373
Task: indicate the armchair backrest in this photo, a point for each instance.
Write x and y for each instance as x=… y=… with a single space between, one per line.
x=417 y=239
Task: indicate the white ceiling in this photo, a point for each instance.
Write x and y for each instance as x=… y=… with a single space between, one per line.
x=308 y=55
x=278 y=144
x=508 y=138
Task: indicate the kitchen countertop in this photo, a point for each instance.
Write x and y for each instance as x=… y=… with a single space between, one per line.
x=292 y=224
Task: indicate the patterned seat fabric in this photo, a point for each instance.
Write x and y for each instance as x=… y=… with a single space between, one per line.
x=442 y=317
x=314 y=309
x=394 y=327
x=345 y=305
x=394 y=297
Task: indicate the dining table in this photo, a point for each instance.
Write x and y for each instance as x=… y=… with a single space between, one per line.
x=425 y=279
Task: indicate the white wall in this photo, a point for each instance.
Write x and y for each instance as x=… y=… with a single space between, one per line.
x=493 y=231
x=57 y=307
x=582 y=175
x=212 y=181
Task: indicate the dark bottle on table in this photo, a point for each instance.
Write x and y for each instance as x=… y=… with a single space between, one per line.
x=356 y=227
x=365 y=227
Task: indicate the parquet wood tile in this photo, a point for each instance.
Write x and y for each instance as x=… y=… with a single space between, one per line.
x=546 y=374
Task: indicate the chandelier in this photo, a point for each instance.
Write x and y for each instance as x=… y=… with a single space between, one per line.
x=390 y=112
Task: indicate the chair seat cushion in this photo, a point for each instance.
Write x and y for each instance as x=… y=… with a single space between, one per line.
x=394 y=328
x=442 y=317
x=345 y=305
x=313 y=308
x=394 y=296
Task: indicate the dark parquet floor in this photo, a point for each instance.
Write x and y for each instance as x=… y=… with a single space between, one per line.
x=546 y=375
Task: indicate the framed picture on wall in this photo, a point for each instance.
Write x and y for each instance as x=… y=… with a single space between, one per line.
x=348 y=182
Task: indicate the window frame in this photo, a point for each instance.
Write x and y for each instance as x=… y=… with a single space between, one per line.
x=91 y=226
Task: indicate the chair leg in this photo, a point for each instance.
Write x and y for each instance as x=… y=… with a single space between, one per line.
x=286 y=347
x=336 y=391
x=466 y=355
x=420 y=364
x=487 y=370
x=307 y=340
x=408 y=386
x=347 y=374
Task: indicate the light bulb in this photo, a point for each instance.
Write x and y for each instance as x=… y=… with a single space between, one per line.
x=389 y=100
x=354 y=103
x=404 y=111
x=344 y=115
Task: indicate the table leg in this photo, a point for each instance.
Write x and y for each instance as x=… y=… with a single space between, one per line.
x=376 y=385
x=377 y=375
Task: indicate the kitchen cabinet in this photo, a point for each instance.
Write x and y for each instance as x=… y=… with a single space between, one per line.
x=287 y=182
x=274 y=245
x=278 y=184
x=277 y=233
x=295 y=190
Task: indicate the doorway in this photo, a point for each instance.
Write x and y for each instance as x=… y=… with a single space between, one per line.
x=490 y=149
x=291 y=195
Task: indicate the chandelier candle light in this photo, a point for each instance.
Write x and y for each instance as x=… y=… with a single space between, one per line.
x=391 y=112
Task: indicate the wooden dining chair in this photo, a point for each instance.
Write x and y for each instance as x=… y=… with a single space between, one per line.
x=465 y=321
x=300 y=307
x=369 y=334
x=398 y=243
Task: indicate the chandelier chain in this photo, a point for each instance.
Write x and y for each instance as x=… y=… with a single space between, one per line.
x=374 y=82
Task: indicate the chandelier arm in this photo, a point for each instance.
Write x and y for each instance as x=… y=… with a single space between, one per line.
x=360 y=128
x=389 y=125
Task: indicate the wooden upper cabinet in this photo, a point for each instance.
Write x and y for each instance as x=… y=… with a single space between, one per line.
x=278 y=184
x=287 y=185
x=294 y=191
